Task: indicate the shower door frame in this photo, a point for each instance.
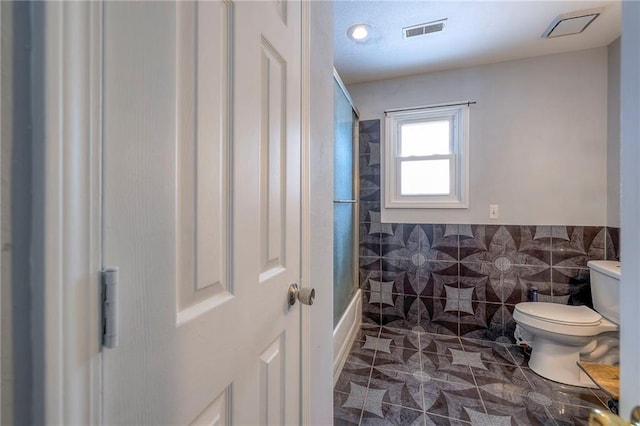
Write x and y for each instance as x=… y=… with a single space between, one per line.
x=355 y=180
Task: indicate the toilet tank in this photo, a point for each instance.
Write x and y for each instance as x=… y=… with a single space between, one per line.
x=605 y=288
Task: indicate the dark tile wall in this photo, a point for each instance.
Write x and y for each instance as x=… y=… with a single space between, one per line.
x=465 y=279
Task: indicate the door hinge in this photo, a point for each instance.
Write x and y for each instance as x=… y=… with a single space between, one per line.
x=109 y=307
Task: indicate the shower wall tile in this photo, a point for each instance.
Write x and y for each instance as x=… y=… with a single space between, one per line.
x=416 y=283
x=369 y=165
x=443 y=239
x=445 y=317
x=574 y=246
x=394 y=241
x=492 y=327
x=612 y=244
x=400 y=280
x=420 y=243
x=438 y=277
x=369 y=173
x=476 y=276
x=365 y=279
x=372 y=154
x=497 y=284
x=369 y=134
x=369 y=240
x=508 y=324
x=403 y=313
x=530 y=277
x=371 y=309
x=426 y=280
x=535 y=243
x=423 y=319
x=521 y=279
x=385 y=229
x=369 y=194
x=473 y=315
x=513 y=245
x=392 y=265
x=574 y=283
x=364 y=140
x=486 y=320
x=476 y=283
x=369 y=269
x=365 y=182
x=370 y=263
x=369 y=212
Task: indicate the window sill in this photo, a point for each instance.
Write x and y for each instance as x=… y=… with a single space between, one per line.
x=421 y=204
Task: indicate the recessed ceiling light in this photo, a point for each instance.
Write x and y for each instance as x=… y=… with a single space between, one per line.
x=358 y=32
x=571 y=23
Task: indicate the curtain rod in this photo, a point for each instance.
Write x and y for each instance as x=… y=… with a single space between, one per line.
x=468 y=103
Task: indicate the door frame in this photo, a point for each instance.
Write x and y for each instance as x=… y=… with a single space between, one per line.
x=67 y=91
x=305 y=209
x=67 y=229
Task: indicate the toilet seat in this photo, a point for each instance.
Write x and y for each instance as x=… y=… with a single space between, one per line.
x=562 y=319
x=560 y=314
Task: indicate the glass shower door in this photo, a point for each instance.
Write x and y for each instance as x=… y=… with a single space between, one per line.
x=345 y=204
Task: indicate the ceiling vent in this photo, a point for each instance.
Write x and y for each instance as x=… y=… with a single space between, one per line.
x=423 y=29
x=571 y=23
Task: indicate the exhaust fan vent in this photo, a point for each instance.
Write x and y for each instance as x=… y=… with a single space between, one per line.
x=571 y=23
x=422 y=29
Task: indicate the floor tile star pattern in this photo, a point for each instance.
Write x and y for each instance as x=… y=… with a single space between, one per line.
x=406 y=377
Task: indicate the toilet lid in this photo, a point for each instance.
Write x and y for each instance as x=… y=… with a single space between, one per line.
x=560 y=314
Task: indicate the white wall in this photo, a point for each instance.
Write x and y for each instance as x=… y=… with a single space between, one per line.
x=613 y=134
x=537 y=136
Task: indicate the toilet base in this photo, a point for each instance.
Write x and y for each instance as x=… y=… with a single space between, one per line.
x=558 y=363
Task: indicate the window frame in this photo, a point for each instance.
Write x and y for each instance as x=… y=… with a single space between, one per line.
x=458 y=196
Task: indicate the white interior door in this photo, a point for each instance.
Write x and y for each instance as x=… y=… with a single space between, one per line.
x=630 y=206
x=201 y=214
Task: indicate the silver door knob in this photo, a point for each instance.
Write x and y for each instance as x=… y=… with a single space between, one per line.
x=635 y=415
x=306 y=295
x=601 y=418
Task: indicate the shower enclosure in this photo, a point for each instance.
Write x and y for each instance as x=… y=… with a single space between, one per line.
x=345 y=204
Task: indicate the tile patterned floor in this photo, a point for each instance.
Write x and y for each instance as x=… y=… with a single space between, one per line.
x=401 y=377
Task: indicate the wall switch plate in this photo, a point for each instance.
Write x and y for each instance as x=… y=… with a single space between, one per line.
x=494 y=211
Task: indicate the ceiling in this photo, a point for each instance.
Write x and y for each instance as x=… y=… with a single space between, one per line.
x=477 y=32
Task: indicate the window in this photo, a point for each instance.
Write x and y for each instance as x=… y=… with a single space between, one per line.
x=426 y=158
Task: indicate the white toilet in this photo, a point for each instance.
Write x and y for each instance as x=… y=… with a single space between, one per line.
x=560 y=335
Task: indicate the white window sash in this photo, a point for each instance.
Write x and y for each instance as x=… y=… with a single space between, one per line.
x=452 y=126
x=458 y=160
x=452 y=176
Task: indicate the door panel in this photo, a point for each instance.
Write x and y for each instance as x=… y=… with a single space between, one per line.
x=201 y=168
x=216 y=414
x=204 y=99
x=272 y=369
x=273 y=151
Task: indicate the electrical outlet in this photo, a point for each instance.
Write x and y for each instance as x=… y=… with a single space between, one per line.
x=494 y=211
